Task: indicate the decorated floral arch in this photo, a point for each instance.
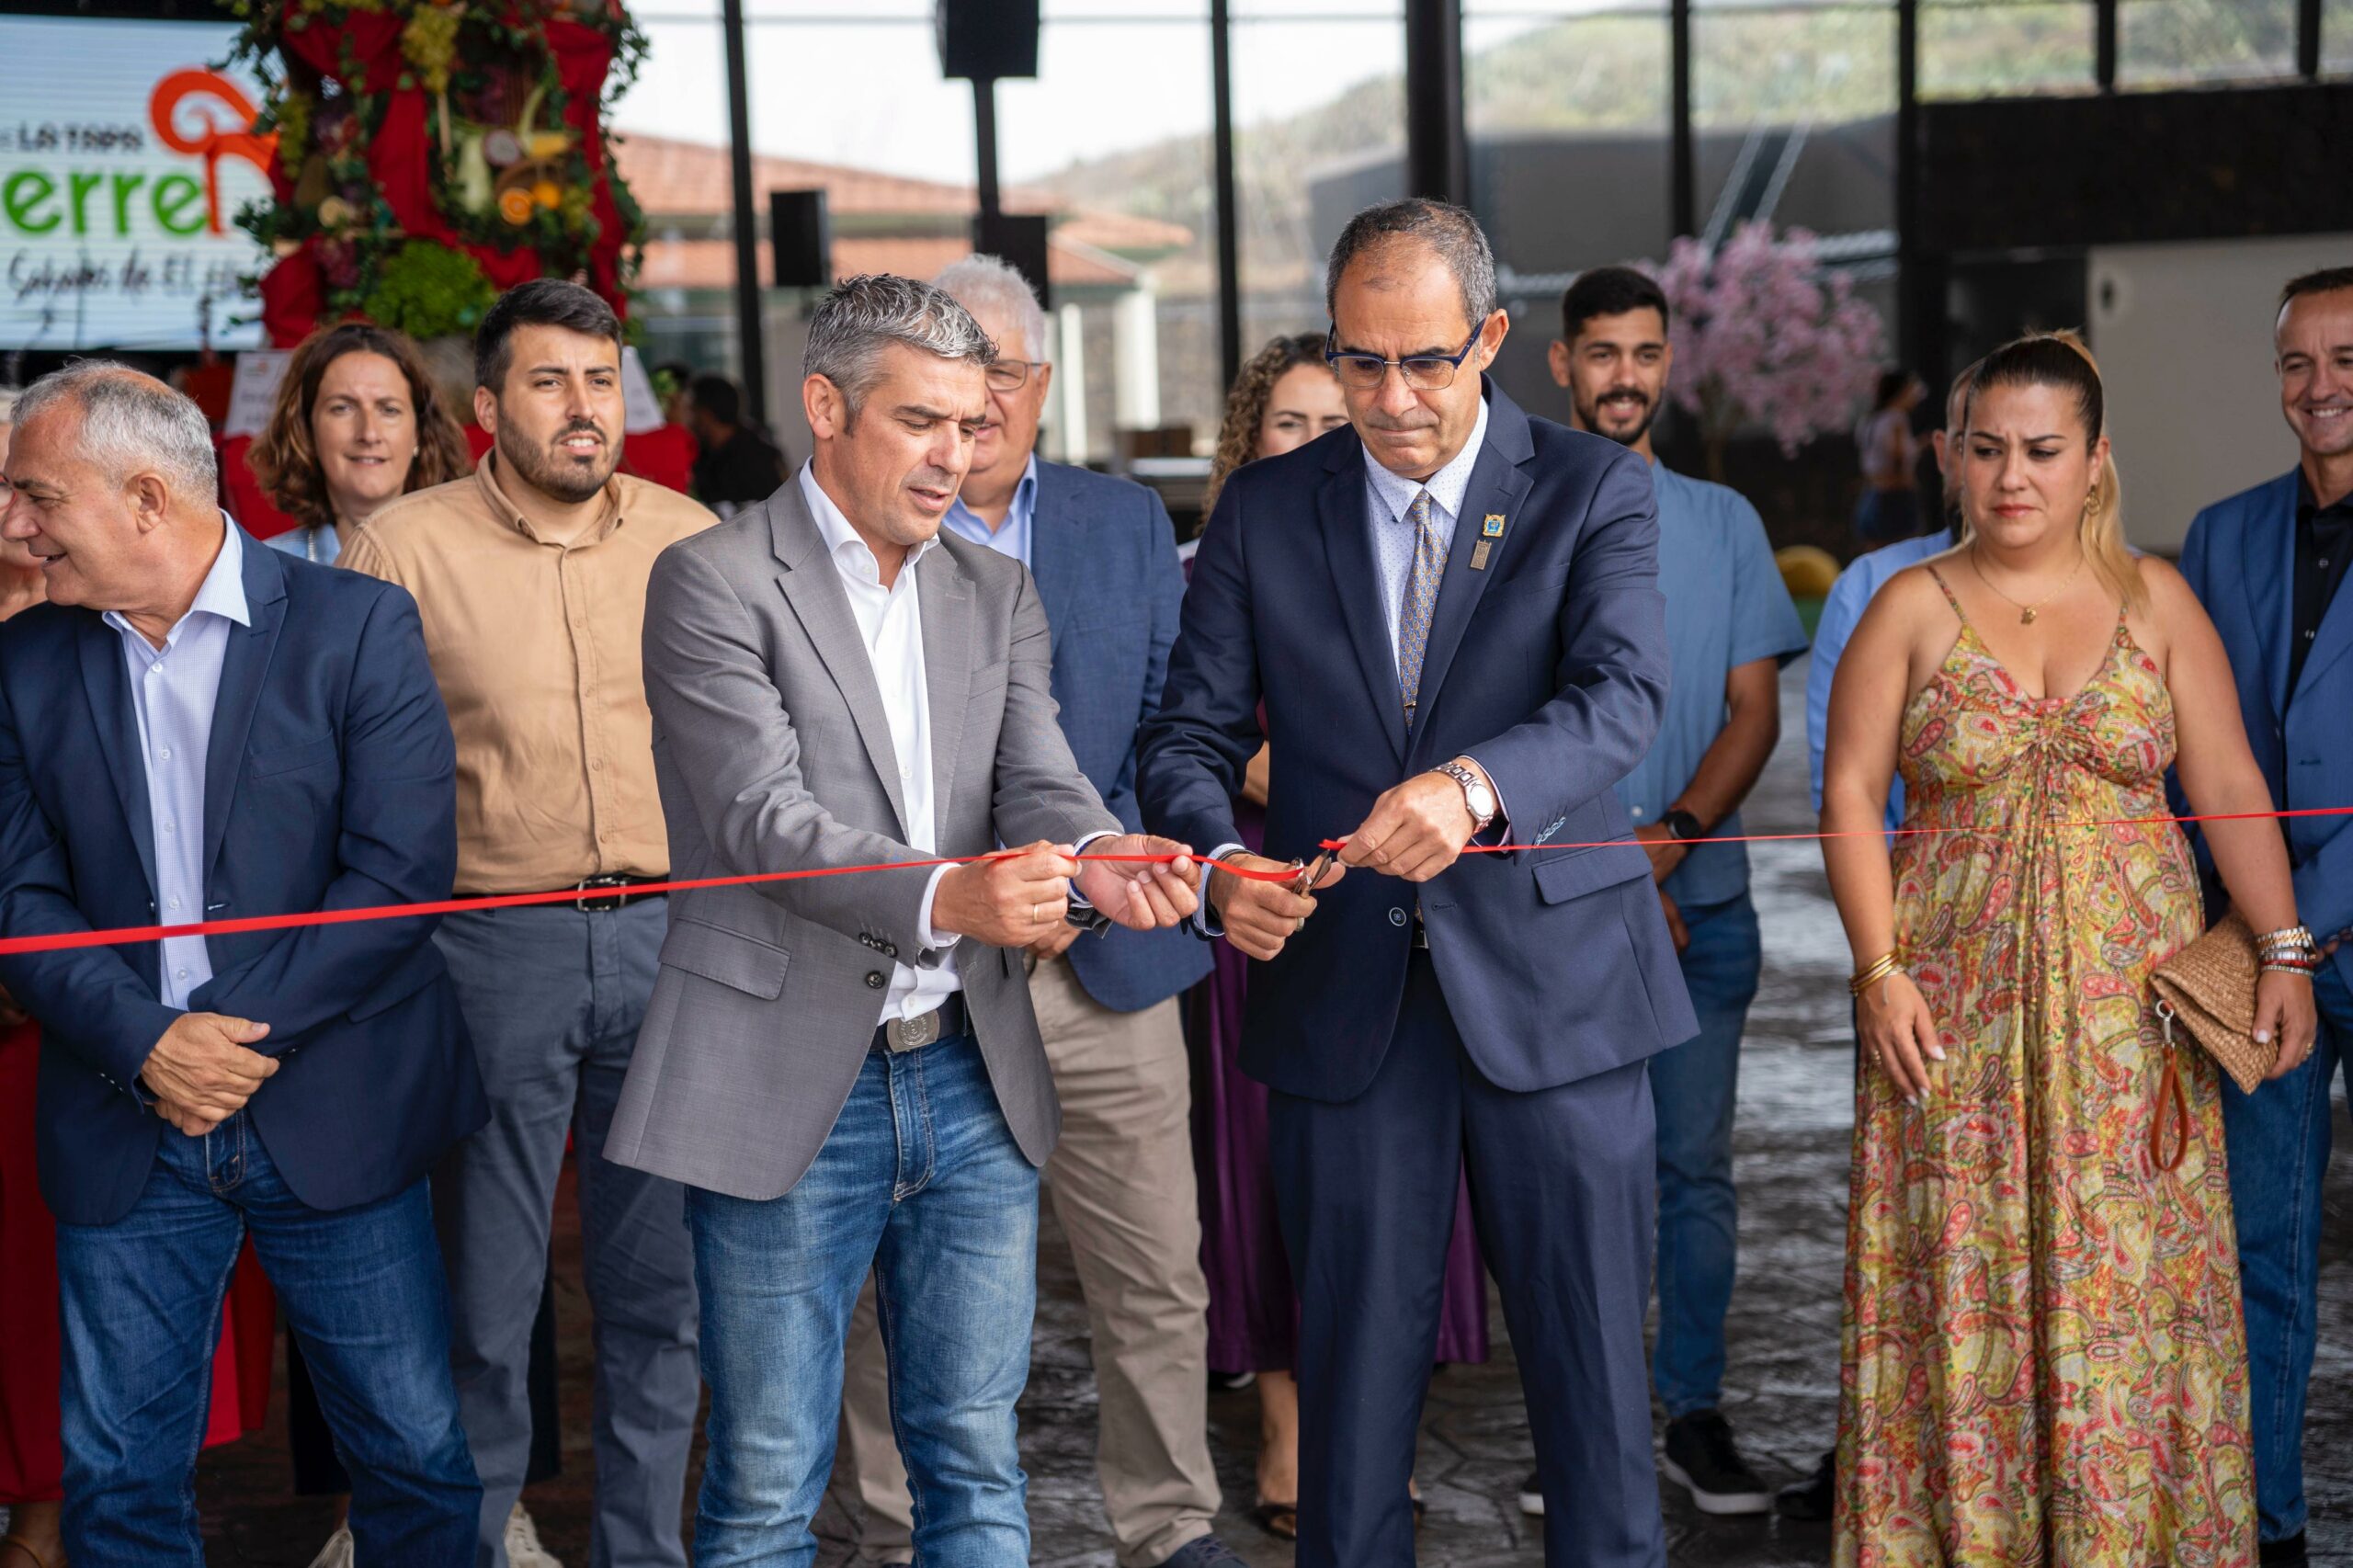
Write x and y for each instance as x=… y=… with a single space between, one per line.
x=426 y=154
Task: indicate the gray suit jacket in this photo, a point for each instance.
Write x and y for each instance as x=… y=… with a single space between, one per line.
x=774 y=753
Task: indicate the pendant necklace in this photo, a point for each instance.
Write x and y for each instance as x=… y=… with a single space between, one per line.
x=2026 y=612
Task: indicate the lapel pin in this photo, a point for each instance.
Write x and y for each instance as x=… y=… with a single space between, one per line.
x=1494 y=526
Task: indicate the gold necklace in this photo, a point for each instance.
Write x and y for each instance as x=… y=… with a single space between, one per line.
x=2026 y=612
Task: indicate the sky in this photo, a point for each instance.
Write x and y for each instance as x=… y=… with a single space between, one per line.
x=857 y=82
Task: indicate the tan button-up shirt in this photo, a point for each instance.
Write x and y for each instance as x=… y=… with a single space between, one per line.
x=535 y=645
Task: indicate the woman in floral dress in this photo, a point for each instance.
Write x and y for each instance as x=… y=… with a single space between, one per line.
x=2043 y=1361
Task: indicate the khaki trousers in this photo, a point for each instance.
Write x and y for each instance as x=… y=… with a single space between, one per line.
x=1122 y=1185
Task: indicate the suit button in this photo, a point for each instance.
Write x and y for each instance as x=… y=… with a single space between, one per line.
x=889 y=950
x=1396 y=917
x=874 y=980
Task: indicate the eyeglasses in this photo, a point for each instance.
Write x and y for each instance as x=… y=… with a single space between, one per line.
x=1008 y=375
x=1423 y=372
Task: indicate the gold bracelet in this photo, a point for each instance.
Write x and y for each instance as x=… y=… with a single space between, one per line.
x=1870 y=975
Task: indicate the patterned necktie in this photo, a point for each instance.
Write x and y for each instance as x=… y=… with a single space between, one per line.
x=1421 y=600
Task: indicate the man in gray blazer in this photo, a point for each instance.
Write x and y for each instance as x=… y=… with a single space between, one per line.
x=845 y=1070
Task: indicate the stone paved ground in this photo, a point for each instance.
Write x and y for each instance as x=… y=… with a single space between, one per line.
x=1792 y=1139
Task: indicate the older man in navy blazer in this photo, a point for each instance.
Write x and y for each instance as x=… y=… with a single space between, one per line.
x=2268 y=564
x=1452 y=613
x=195 y=727
x=1104 y=556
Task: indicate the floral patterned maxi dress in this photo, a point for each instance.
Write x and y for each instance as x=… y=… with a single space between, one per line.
x=2043 y=1360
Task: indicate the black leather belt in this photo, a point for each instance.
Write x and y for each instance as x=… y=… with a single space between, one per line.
x=602 y=895
x=942 y=1022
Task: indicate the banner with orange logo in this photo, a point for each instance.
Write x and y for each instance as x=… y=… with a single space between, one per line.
x=124 y=157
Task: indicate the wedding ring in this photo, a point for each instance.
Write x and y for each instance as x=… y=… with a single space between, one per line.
x=1033 y=913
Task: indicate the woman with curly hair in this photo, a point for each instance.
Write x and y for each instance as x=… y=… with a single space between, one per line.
x=358 y=424
x=1285 y=397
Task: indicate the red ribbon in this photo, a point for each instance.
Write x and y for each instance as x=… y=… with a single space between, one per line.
x=58 y=941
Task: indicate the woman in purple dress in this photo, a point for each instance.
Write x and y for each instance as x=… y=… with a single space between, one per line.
x=1285 y=397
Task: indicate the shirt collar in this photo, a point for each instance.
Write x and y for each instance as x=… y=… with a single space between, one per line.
x=841 y=540
x=1023 y=506
x=222 y=592
x=2308 y=505
x=507 y=512
x=1446 y=486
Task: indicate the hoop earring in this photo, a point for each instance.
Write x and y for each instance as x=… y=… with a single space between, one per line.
x=2093 y=506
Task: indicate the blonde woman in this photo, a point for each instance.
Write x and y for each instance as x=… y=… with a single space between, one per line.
x=2043 y=1360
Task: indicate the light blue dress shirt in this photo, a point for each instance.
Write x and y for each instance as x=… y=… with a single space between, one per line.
x=1388 y=500
x=173 y=690
x=1725 y=607
x=1013 y=538
x=318 y=545
x=1841 y=613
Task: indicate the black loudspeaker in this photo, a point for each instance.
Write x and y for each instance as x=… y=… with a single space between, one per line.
x=801 y=239
x=983 y=40
x=1019 y=239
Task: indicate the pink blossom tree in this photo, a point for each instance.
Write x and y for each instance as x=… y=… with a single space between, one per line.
x=1765 y=334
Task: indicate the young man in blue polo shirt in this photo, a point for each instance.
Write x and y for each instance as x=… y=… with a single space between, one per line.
x=1729 y=627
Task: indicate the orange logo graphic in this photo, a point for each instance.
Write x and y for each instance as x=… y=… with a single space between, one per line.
x=219 y=124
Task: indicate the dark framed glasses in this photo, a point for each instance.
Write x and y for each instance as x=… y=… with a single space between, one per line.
x=1010 y=375
x=1423 y=372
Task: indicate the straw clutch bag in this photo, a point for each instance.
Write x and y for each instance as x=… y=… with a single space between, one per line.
x=2207 y=989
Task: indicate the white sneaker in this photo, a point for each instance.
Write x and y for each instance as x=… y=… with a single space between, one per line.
x=523 y=1548
x=337 y=1552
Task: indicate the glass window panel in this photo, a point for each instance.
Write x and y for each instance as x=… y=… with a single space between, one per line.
x=1319 y=132
x=1569 y=151
x=2336 y=37
x=1793 y=112
x=1125 y=175
x=2005 y=48
x=2171 y=43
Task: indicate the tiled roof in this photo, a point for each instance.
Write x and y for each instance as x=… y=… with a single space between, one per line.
x=711 y=264
x=692 y=179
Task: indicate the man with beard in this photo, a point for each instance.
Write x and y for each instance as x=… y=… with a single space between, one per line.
x=530 y=575
x=1729 y=627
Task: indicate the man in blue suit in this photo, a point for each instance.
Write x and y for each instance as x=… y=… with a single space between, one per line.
x=1104 y=556
x=199 y=728
x=2267 y=564
x=1452 y=613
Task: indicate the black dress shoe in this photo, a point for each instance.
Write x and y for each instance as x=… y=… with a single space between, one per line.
x=1814 y=1499
x=2286 y=1553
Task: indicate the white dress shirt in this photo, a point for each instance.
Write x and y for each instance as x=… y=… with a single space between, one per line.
x=174 y=690
x=1389 y=499
x=889 y=621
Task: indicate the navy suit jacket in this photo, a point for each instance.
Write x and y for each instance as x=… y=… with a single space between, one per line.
x=1549 y=665
x=2240 y=558
x=1104 y=555
x=329 y=784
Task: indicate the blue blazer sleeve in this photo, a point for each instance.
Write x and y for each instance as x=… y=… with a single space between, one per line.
x=1193 y=753
x=397 y=843
x=1613 y=665
x=112 y=1017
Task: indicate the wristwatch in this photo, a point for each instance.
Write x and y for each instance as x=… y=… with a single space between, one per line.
x=1476 y=795
x=1682 y=826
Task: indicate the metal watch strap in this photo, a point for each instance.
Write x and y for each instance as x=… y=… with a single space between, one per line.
x=1470 y=780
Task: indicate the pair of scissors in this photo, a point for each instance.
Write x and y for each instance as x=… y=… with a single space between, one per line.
x=1311 y=873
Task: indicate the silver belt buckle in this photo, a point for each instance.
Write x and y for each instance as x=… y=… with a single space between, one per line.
x=914 y=1034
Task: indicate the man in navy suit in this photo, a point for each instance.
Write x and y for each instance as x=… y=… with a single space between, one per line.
x=195 y=727
x=2268 y=564
x=1452 y=613
x=1104 y=556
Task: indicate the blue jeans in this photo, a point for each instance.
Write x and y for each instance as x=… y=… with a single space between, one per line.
x=1692 y=1087
x=361 y=1290
x=921 y=1182
x=2277 y=1141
